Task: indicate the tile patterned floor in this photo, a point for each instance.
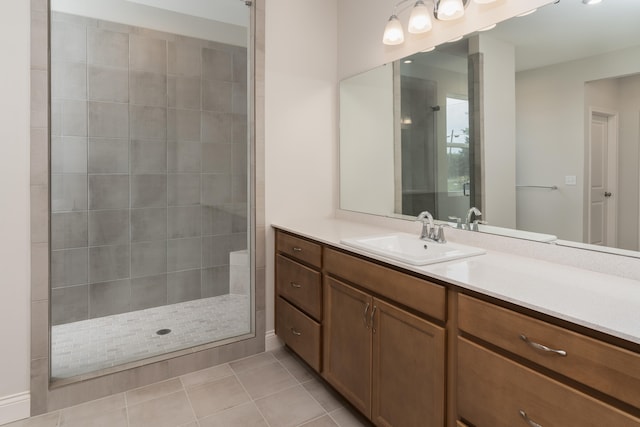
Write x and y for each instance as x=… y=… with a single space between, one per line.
x=271 y=389
x=90 y=345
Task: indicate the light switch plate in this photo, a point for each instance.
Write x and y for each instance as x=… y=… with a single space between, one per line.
x=570 y=180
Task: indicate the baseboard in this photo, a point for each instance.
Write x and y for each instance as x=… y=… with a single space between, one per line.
x=15 y=407
x=271 y=341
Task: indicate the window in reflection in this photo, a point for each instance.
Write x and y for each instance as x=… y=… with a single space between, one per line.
x=457 y=122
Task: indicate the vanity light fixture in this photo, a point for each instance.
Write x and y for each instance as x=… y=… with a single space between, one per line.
x=393 y=33
x=448 y=10
x=420 y=17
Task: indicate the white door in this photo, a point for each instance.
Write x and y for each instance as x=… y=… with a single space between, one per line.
x=603 y=179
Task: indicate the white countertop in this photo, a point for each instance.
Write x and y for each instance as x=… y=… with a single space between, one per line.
x=601 y=302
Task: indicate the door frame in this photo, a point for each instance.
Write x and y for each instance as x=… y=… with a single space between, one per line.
x=612 y=174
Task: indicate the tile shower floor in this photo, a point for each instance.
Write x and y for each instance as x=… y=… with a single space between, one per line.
x=271 y=389
x=89 y=345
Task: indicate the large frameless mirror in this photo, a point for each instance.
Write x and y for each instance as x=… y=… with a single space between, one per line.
x=151 y=228
x=537 y=128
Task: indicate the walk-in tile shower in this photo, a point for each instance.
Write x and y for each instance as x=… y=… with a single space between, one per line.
x=150 y=195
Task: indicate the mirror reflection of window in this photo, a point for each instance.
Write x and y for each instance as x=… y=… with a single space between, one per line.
x=457 y=144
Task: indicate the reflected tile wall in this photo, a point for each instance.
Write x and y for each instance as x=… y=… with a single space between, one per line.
x=148 y=167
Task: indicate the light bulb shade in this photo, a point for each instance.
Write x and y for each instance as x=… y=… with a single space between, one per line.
x=484 y=1
x=450 y=9
x=393 y=33
x=420 y=19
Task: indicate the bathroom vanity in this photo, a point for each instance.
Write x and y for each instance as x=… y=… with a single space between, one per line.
x=468 y=342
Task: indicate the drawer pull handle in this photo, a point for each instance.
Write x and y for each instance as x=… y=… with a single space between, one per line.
x=373 y=313
x=297 y=249
x=528 y=420
x=296 y=333
x=295 y=285
x=364 y=316
x=542 y=347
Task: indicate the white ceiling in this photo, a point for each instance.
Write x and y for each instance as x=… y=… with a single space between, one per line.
x=571 y=30
x=230 y=11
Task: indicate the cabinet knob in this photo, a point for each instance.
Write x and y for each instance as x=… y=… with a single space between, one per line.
x=542 y=347
x=297 y=249
x=296 y=333
x=295 y=285
x=528 y=420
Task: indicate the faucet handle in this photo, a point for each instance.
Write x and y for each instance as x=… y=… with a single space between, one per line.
x=439 y=235
x=457 y=220
x=476 y=222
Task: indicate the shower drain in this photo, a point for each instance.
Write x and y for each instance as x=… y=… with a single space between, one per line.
x=163 y=331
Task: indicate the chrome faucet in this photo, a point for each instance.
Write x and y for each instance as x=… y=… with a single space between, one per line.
x=427 y=225
x=429 y=231
x=473 y=226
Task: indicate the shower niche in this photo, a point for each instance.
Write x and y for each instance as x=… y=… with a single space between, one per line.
x=151 y=222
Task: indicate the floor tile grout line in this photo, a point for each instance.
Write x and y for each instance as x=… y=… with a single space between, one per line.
x=251 y=399
x=126 y=408
x=193 y=411
x=187 y=388
x=304 y=423
x=271 y=393
x=305 y=382
x=333 y=419
x=320 y=379
x=299 y=384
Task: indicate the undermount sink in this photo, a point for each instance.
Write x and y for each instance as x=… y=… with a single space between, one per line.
x=411 y=249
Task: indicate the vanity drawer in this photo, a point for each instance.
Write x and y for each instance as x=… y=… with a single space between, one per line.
x=495 y=391
x=602 y=366
x=410 y=291
x=300 y=285
x=299 y=332
x=301 y=249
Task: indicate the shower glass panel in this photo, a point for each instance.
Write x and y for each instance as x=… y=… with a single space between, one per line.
x=151 y=228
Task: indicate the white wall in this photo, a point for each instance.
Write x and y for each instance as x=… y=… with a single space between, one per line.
x=628 y=163
x=554 y=98
x=366 y=132
x=14 y=215
x=300 y=116
x=499 y=109
x=126 y=12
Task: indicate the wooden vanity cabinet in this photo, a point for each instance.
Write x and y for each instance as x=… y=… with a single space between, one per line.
x=503 y=376
x=388 y=362
x=299 y=296
x=401 y=350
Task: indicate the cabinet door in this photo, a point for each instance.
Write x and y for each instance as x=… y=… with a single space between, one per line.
x=408 y=369
x=347 y=342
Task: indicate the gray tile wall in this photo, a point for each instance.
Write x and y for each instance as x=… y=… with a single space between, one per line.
x=148 y=167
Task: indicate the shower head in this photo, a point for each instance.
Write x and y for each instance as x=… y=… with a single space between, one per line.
x=435 y=108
